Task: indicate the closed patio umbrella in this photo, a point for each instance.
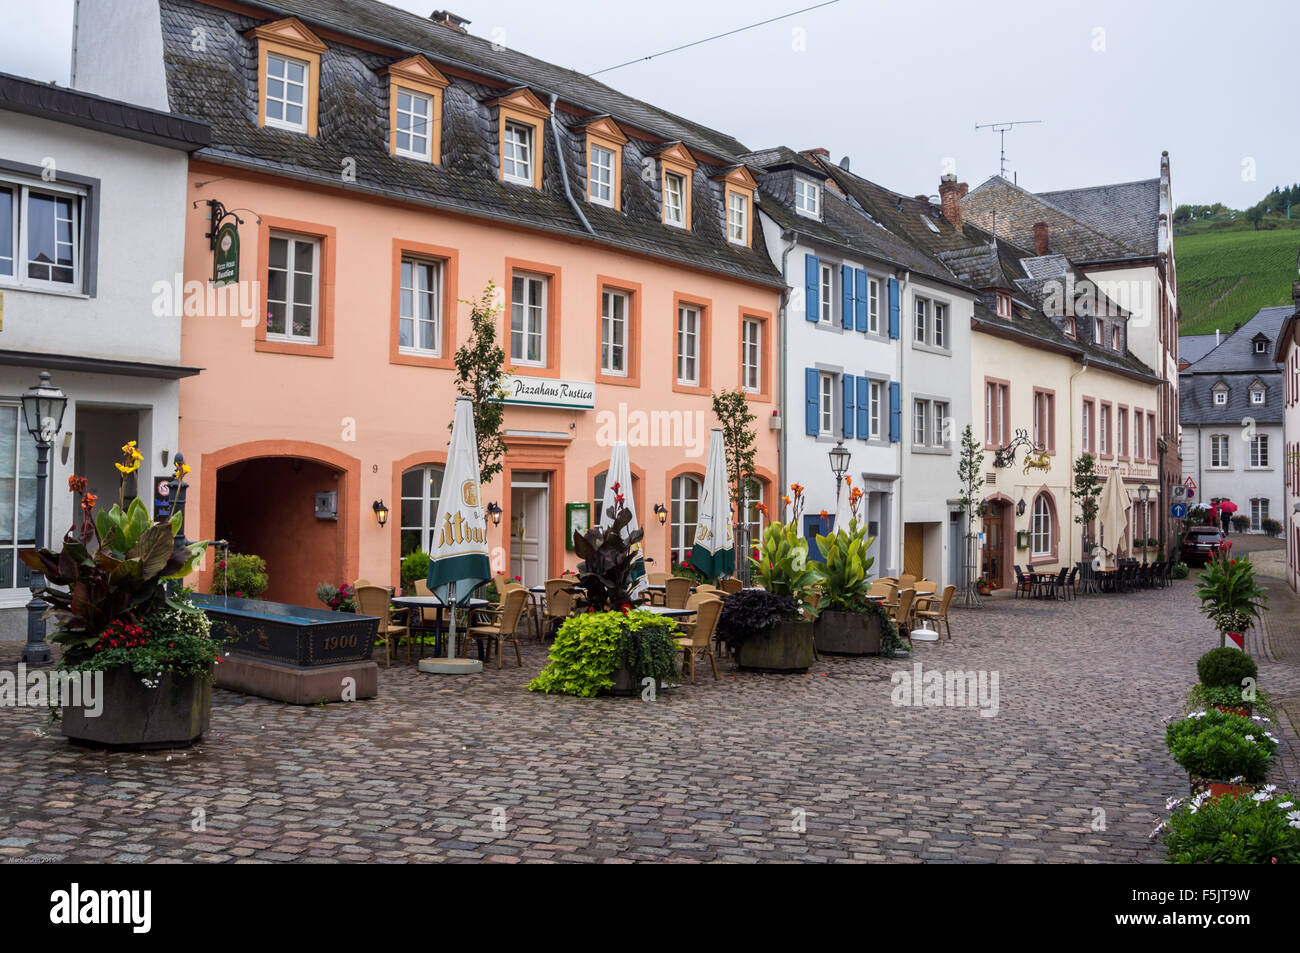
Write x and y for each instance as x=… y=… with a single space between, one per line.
x=714 y=552
x=619 y=475
x=1113 y=514
x=458 y=557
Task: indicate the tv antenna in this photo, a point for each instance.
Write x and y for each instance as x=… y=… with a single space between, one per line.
x=1001 y=129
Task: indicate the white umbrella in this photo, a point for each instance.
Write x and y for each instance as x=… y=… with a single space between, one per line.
x=458 y=557
x=714 y=552
x=1113 y=513
x=619 y=475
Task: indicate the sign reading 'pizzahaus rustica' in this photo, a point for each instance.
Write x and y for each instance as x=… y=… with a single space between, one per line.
x=225 y=258
x=548 y=392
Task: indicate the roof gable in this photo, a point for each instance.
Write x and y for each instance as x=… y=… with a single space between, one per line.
x=417 y=69
x=291 y=32
x=522 y=99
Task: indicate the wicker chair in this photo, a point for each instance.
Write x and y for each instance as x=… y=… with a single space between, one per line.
x=373 y=600
x=901 y=611
x=940 y=615
x=507 y=624
x=731 y=584
x=560 y=601
x=697 y=637
x=676 y=591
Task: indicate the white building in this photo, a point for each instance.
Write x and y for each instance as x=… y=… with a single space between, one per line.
x=1231 y=413
x=92 y=205
x=1287 y=354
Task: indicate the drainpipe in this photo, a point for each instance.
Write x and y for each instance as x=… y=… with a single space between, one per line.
x=1070 y=478
x=791 y=238
x=900 y=532
x=564 y=172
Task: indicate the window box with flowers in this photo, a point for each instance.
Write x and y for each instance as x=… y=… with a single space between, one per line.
x=124 y=622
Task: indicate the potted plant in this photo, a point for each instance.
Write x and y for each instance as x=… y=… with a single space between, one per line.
x=340 y=598
x=1262 y=828
x=1230 y=595
x=240 y=575
x=754 y=624
x=120 y=615
x=781 y=568
x=844 y=625
x=612 y=647
x=1228 y=677
x=984 y=586
x=415 y=567
x=1221 y=752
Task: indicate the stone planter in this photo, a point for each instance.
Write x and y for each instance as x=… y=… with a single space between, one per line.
x=847 y=633
x=787 y=647
x=134 y=716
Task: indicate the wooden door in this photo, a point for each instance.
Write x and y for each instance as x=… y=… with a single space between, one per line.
x=991 y=558
x=528 y=534
x=914 y=550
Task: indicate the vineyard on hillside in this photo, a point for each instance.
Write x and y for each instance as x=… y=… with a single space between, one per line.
x=1224 y=277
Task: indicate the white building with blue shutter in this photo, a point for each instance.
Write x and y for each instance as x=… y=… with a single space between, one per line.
x=839 y=347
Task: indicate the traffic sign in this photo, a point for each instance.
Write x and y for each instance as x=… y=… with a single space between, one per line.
x=1178 y=511
x=1178 y=491
x=1190 y=484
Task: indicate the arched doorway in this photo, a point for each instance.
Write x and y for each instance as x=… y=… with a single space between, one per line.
x=268 y=506
x=994 y=552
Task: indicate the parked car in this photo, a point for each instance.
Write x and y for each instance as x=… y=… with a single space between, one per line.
x=1199 y=542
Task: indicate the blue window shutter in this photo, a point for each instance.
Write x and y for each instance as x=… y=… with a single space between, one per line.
x=811 y=280
x=812 y=525
x=895 y=411
x=864 y=408
x=860 y=299
x=848 y=382
x=846 y=297
x=812 y=407
x=893 y=307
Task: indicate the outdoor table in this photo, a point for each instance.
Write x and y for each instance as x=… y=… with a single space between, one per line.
x=419 y=603
x=669 y=612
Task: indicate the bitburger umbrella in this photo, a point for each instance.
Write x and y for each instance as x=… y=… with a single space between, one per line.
x=458 y=556
x=618 y=483
x=1113 y=514
x=714 y=552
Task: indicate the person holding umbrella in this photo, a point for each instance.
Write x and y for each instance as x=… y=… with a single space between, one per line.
x=1226 y=509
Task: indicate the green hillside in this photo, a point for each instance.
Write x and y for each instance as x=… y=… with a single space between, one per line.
x=1224 y=277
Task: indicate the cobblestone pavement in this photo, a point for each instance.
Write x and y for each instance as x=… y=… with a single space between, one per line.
x=718 y=771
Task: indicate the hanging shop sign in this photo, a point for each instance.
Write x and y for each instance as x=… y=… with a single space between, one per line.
x=548 y=392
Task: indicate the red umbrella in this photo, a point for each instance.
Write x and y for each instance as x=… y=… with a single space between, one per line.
x=1227 y=506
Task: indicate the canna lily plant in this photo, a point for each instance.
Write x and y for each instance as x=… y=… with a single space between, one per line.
x=609 y=558
x=781 y=565
x=1229 y=593
x=112 y=568
x=845 y=578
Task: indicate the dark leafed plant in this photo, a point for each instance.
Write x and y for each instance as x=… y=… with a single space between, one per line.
x=113 y=565
x=751 y=612
x=609 y=557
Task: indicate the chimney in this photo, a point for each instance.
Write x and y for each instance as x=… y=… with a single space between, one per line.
x=820 y=153
x=1040 y=238
x=962 y=189
x=450 y=20
x=950 y=194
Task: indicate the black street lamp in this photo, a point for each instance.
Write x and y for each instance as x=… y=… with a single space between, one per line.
x=840 y=457
x=43 y=407
x=1144 y=494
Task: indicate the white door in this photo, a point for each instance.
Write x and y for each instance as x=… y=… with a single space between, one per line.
x=529 y=525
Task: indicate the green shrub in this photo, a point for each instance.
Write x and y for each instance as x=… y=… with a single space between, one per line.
x=845 y=567
x=1240 y=523
x=175 y=638
x=1262 y=828
x=1179 y=571
x=415 y=565
x=1226 y=666
x=590 y=647
x=1202 y=697
x=1271 y=526
x=240 y=575
x=1217 y=746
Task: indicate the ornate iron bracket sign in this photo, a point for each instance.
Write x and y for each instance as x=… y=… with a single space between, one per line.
x=1006 y=456
x=218 y=213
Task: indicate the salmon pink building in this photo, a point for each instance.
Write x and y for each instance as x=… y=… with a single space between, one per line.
x=374 y=171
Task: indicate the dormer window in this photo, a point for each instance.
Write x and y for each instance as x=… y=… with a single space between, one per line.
x=677 y=167
x=415 y=109
x=521 y=117
x=288 y=76
x=1261 y=345
x=1114 y=338
x=1099 y=331
x=1220 y=392
x=1257 y=393
x=1004 y=304
x=807 y=197
x=605 y=141
x=738 y=195
x=737 y=218
x=1069 y=326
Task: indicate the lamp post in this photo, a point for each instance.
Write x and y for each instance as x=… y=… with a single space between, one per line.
x=840 y=456
x=1144 y=494
x=43 y=407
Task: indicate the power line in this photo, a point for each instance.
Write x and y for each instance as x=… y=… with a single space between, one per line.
x=687 y=46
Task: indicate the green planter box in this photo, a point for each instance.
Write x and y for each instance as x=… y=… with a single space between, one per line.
x=847 y=633
x=788 y=647
x=134 y=716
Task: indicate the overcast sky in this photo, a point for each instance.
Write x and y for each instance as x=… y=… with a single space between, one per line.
x=900 y=86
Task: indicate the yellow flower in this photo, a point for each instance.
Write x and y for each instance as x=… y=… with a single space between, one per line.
x=185 y=468
x=125 y=470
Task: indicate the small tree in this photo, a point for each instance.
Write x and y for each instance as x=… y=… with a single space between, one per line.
x=1086 y=490
x=970 y=467
x=738 y=438
x=480 y=362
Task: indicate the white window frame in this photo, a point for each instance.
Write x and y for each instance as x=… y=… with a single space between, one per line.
x=1220 y=454
x=674 y=199
x=1220 y=398
x=412 y=117
x=1004 y=305
x=289 y=303
x=1040 y=527
x=1258 y=513
x=528 y=318
x=518 y=152
x=873 y=305
x=428 y=503
x=920 y=423
x=921 y=320
x=751 y=350
x=688 y=345
x=807 y=197
x=686 y=488
x=737 y=217
x=826 y=404
x=600 y=176
x=1259 y=452
x=877 y=397
x=1114 y=338
x=1103 y=431
x=434 y=293
x=614 y=306
x=1086 y=420
x=938 y=325
x=939 y=413
x=284 y=100
x=20 y=234
x=24 y=449
x=826 y=294
x=1257 y=396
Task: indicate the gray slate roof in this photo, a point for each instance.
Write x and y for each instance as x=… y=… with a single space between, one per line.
x=1237 y=352
x=1128 y=211
x=88 y=111
x=1193 y=347
x=1235 y=363
x=219 y=83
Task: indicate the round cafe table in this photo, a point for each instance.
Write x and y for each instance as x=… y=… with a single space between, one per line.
x=417 y=605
